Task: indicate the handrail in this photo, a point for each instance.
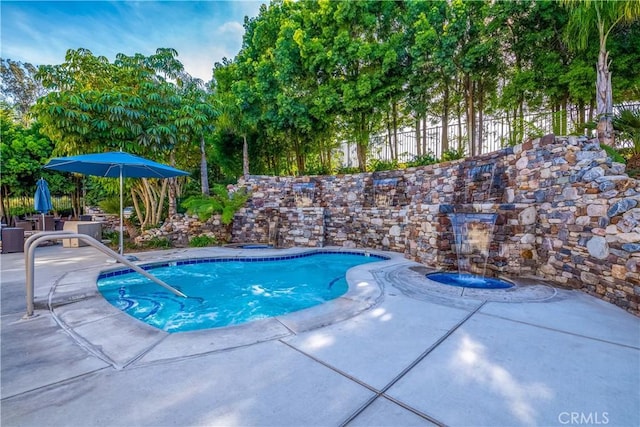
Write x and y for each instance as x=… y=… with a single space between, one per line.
x=33 y=241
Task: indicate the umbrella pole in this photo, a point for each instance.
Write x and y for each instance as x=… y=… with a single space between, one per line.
x=121 y=214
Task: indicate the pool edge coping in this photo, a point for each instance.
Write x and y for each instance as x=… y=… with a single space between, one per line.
x=85 y=314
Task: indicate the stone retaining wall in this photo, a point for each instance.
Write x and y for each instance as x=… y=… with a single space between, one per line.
x=566 y=213
x=180 y=229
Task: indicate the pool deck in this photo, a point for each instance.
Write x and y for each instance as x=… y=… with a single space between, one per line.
x=395 y=351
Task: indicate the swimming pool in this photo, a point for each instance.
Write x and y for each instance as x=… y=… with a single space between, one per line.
x=230 y=291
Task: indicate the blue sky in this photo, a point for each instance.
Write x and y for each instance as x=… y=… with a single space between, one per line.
x=203 y=32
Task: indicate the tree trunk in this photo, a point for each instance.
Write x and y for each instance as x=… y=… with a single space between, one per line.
x=460 y=139
x=418 y=146
x=362 y=143
x=173 y=202
x=4 y=205
x=604 y=98
x=480 y=117
x=394 y=107
x=471 y=134
x=389 y=143
x=445 y=119
x=245 y=156
x=300 y=158
x=564 y=117
x=424 y=134
x=204 y=174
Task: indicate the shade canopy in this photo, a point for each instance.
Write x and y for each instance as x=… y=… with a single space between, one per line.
x=116 y=164
x=42 y=198
x=110 y=165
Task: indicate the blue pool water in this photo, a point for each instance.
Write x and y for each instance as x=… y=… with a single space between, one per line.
x=225 y=292
x=469 y=281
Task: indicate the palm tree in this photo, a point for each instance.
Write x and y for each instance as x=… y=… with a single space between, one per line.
x=602 y=16
x=627 y=125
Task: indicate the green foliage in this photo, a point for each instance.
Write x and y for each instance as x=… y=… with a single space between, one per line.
x=220 y=202
x=157 y=243
x=110 y=205
x=348 y=170
x=202 y=206
x=112 y=236
x=424 y=160
x=318 y=169
x=613 y=153
x=376 y=165
x=23 y=152
x=452 y=154
x=627 y=124
x=312 y=74
x=20 y=89
x=202 y=241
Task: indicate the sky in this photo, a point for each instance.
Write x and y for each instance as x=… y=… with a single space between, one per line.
x=202 y=32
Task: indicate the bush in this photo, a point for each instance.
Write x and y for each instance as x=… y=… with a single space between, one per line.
x=157 y=243
x=376 y=165
x=221 y=202
x=613 y=153
x=110 y=205
x=203 y=241
x=424 y=160
x=350 y=170
x=453 y=154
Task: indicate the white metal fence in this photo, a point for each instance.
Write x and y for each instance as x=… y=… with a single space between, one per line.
x=497 y=133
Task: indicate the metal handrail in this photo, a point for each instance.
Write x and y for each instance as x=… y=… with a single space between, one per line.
x=33 y=241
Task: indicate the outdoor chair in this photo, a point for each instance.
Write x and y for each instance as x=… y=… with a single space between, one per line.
x=49 y=223
x=25 y=225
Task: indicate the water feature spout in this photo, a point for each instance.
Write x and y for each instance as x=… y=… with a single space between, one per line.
x=384 y=191
x=473 y=233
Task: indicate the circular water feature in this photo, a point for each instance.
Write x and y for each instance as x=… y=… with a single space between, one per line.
x=469 y=281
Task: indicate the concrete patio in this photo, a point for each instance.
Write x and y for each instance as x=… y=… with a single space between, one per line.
x=397 y=353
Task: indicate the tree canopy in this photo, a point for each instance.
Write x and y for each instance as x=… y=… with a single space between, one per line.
x=312 y=74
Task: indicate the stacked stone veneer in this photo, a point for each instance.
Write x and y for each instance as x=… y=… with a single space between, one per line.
x=566 y=213
x=180 y=229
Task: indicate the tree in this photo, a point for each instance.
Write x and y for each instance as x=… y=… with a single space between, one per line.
x=196 y=117
x=239 y=108
x=601 y=16
x=20 y=88
x=144 y=105
x=344 y=49
x=24 y=150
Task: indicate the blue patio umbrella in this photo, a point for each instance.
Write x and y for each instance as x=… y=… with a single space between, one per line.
x=116 y=164
x=42 y=198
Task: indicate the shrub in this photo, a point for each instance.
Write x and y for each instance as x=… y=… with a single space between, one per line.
x=221 y=202
x=424 y=160
x=157 y=243
x=453 y=154
x=110 y=205
x=376 y=165
x=349 y=170
x=202 y=241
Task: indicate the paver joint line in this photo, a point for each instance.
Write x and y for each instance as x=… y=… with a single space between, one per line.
x=409 y=368
x=495 y=316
